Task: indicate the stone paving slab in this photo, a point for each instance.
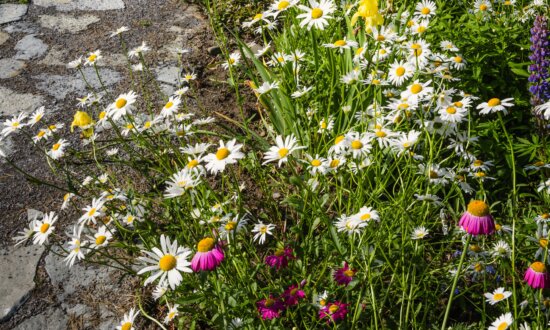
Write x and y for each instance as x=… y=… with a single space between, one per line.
x=67 y=23
x=30 y=47
x=10 y=68
x=67 y=5
x=17 y=276
x=12 y=103
x=11 y=12
x=51 y=319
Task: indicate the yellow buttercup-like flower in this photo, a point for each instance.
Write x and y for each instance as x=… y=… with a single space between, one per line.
x=81 y=119
x=368 y=9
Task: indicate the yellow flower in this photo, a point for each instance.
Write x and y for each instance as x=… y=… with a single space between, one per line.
x=82 y=120
x=368 y=9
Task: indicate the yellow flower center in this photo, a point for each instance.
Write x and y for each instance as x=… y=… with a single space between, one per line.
x=349 y=273
x=478 y=208
x=356 y=144
x=206 y=244
x=498 y=296
x=339 y=139
x=483 y=7
x=169 y=105
x=193 y=163
x=283 y=152
x=231 y=60
x=167 y=263
x=316 y=13
x=451 y=110
x=478 y=163
x=380 y=134
x=258 y=16
x=458 y=104
x=421 y=29
x=478 y=267
x=475 y=248
x=322 y=302
x=323 y=124
x=279 y=252
x=402 y=106
x=502 y=326
x=359 y=51
x=126 y=326
x=333 y=309
x=92 y=58
x=425 y=11
x=263 y=229
x=416 y=88
x=382 y=51
x=130 y=126
x=480 y=174
x=41 y=134
x=230 y=225
x=334 y=163
x=543 y=242
x=282 y=5
x=493 y=102
x=417 y=49
x=120 y=103
x=538 y=267
x=400 y=71
x=340 y=43
x=102 y=114
x=56 y=146
x=433 y=174
x=365 y=217
x=100 y=239
x=545 y=216
x=316 y=162
x=380 y=37
x=44 y=228
x=222 y=153
x=458 y=59
x=92 y=212
x=498 y=227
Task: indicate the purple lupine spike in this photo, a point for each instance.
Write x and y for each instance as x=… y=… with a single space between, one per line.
x=540 y=56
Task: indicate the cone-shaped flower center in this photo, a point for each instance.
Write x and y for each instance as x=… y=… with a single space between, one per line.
x=349 y=273
x=120 y=103
x=475 y=248
x=279 y=252
x=283 y=152
x=126 y=326
x=478 y=208
x=493 y=102
x=538 y=267
x=205 y=244
x=269 y=302
x=100 y=239
x=222 y=153
x=167 y=263
x=316 y=13
x=333 y=309
x=44 y=228
x=56 y=146
x=543 y=242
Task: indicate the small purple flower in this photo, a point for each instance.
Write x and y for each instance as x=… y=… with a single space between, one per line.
x=280 y=258
x=344 y=275
x=270 y=308
x=334 y=311
x=292 y=295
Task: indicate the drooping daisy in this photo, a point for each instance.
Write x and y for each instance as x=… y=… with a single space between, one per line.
x=167 y=262
x=36 y=116
x=123 y=105
x=208 y=257
x=536 y=276
x=227 y=153
x=262 y=230
x=58 y=149
x=171 y=107
x=92 y=211
x=477 y=219
x=139 y=50
x=266 y=87
x=75 y=63
x=282 y=149
x=119 y=31
x=316 y=14
x=502 y=323
x=495 y=105
x=127 y=322
x=280 y=258
x=233 y=60
x=93 y=57
x=498 y=295
x=406 y=141
x=75 y=247
x=448 y=46
x=160 y=290
x=43 y=228
x=350 y=225
x=25 y=234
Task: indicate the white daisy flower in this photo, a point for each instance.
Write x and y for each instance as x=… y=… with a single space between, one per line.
x=127 y=322
x=36 y=116
x=122 y=106
x=316 y=14
x=497 y=296
x=266 y=87
x=101 y=238
x=172 y=313
x=13 y=124
x=399 y=72
x=58 y=149
x=167 y=262
x=419 y=233
x=349 y=225
x=160 y=290
x=304 y=90
x=452 y=114
x=503 y=322
x=75 y=247
x=93 y=57
x=140 y=50
x=366 y=215
x=75 y=63
x=43 y=228
x=282 y=149
x=495 y=105
x=342 y=44
x=425 y=9
x=233 y=60
x=262 y=230
x=358 y=144
x=227 y=153
x=92 y=211
x=171 y=107
x=501 y=249
x=180 y=182
x=120 y=30
x=417 y=91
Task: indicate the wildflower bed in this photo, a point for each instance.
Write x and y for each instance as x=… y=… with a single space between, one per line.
x=394 y=174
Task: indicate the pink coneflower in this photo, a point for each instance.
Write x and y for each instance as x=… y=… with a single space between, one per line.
x=335 y=311
x=280 y=258
x=270 y=308
x=536 y=276
x=477 y=219
x=209 y=255
x=344 y=275
x=292 y=295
